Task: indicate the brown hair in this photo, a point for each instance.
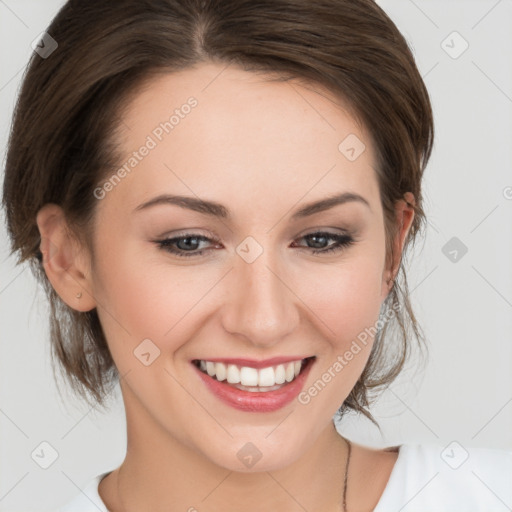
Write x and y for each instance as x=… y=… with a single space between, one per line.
x=61 y=147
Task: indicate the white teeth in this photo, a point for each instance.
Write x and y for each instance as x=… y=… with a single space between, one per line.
x=248 y=376
x=210 y=368
x=268 y=377
x=220 y=371
x=256 y=389
x=290 y=372
x=280 y=374
x=233 y=374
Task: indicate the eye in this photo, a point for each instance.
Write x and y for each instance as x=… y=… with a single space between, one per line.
x=188 y=244
x=319 y=238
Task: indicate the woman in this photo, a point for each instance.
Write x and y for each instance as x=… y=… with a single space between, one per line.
x=217 y=197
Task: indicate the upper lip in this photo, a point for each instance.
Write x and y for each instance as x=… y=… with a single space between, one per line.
x=255 y=363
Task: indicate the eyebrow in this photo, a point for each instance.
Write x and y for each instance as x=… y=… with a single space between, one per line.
x=218 y=210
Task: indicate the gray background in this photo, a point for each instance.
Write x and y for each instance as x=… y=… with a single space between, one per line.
x=465 y=392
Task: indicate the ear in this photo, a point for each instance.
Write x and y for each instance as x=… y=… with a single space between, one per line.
x=404 y=215
x=65 y=261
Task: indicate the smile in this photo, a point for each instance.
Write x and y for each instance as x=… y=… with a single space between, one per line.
x=250 y=378
x=243 y=386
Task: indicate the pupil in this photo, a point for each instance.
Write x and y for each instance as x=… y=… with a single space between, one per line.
x=186 y=242
x=315 y=240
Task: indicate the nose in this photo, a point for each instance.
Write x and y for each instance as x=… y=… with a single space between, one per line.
x=261 y=306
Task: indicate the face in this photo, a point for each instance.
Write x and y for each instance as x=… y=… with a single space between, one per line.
x=249 y=282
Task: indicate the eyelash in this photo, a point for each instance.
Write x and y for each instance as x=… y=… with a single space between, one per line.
x=342 y=242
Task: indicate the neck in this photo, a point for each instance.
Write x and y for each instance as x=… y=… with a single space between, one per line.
x=162 y=473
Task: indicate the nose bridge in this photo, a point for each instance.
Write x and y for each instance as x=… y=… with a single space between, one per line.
x=261 y=306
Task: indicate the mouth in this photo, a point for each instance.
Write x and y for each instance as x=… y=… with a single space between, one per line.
x=252 y=385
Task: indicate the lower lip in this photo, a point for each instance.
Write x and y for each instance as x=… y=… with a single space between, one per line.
x=259 y=401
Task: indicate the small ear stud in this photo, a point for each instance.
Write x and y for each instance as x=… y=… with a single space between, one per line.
x=79 y=295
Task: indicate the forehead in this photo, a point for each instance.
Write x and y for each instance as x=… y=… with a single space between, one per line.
x=214 y=129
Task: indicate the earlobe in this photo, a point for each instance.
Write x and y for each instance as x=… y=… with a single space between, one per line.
x=65 y=261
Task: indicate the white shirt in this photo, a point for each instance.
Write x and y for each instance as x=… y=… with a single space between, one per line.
x=425 y=478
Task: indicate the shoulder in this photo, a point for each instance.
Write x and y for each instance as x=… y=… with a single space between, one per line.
x=446 y=478
x=88 y=499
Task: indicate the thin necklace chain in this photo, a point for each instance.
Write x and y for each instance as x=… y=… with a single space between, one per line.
x=345 y=481
x=346 y=476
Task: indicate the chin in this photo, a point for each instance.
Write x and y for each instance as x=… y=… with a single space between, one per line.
x=253 y=454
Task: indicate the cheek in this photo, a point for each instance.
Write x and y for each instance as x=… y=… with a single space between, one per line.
x=345 y=297
x=348 y=305
x=147 y=298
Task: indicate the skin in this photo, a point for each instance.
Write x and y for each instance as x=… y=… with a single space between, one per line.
x=263 y=149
